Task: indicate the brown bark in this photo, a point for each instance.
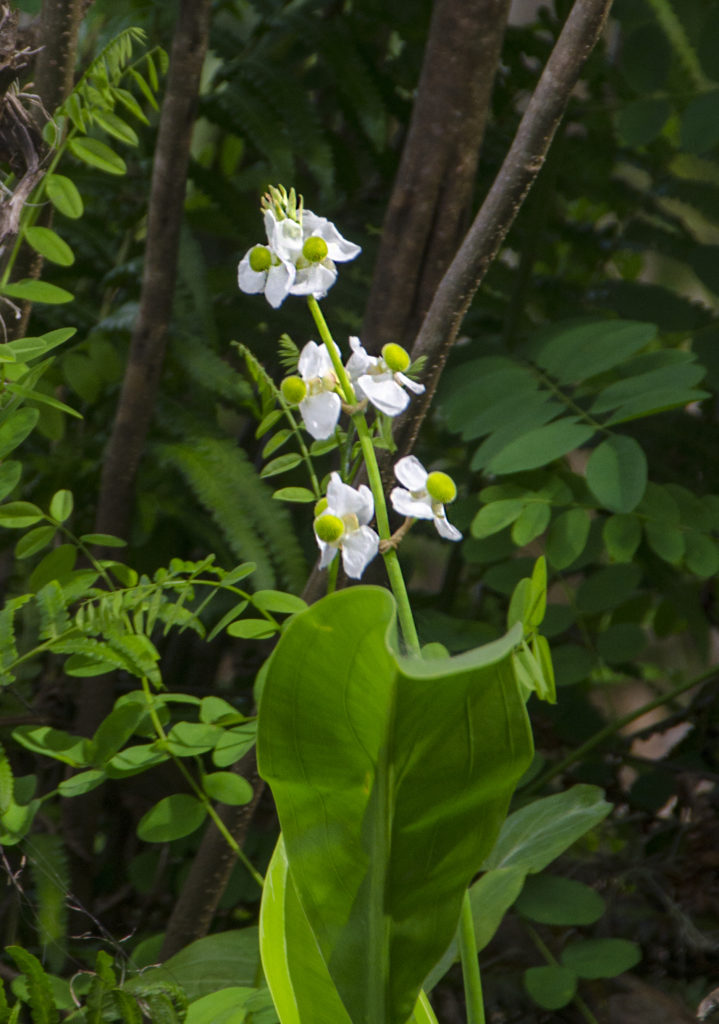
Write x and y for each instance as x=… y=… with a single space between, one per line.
x=429 y=208
x=518 y=172
x=142 y=375
x=147 y=349
x=57 y=39
x=211 y=869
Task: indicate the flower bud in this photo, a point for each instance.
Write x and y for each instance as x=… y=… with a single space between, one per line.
x=314 y=249
x=293 y=390
x=329 y=528
x=260 y=259
x=441 y=488
x=320 y=506
x=396 y=357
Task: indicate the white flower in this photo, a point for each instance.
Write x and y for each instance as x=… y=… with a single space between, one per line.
x=321 y=407
x=299 y=258
x=424 y=496
x=342 y=526
x=261 y=270
x=375 y=380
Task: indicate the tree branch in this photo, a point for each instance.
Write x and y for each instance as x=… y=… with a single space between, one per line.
x=521 y=166
x=167 y=196
x=429 y=209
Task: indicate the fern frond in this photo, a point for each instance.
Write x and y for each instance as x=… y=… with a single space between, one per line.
x=40 y=997
x=256 y=528
x=8 y=647
x=54 y=618
x=238 y=109
x=289 y=353
x=127 y=1007
x=7 y=782
x=51 y=875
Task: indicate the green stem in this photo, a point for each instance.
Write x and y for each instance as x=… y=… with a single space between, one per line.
x=197 y=790
x=391 y=560
x=552 y=960
x=470 y=964
x=615 y=726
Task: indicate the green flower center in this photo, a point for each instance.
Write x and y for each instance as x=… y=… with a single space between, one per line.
x=320 y=506
x=441 y=488
x=260 y=259
x=329 y=528
x=396 y=357
x=314 y=249
x=293 y=390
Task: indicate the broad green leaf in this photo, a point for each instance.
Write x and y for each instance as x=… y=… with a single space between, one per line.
x=551 y=987
x=622 y=535
x=607 y=588
x=190 y=739
x=116 y=729
x=133 y=760
x=301 y=986
x=701 y=554
x=699 y=122
x=37 y=291
x=34 y=541
x=541 y=446
x=16 y=515
x=106 y=540
x=303 y=495
x=49 y=244
x=115 y=126
x=349 y=736
x=252 y=629
x=582 y=351
x=601 y=958
x=651 y=402
x=534 y=411
x=234 y=744
x=15 y=429
x=278 y=601
x=537 y=834
x=61 y=505
x=533 y=520
x=82 y=783
x=227 y=788
x=550 y=899
x=97 y=154
x=568 y=537
x=208 y=965
x=281 y=464
x=665 y=540
x=10 y=473
x=64 y=196
x=491 y=897
x=642 y=121
x=171 y=818
x=660 y=383
x=494 y=517
x=228 y=1006
x=55 y=743
x=617 y=473
x=275 y=442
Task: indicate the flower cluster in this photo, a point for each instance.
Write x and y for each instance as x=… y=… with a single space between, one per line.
x=424 y=495
x=341 y=525
x=376 y=379
x=301 y=253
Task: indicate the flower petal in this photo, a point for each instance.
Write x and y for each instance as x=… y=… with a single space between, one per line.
x=338 y=248
x=410 y=472
x=445 y=529
x=286 y=238
x=321 y=414
x=314 y=361
x=406 y=505
x=249 y=280
x=407 y=382
x=342 y=500
x=317 y=279
x=360 y=361
x=384 y=393
x=358 y=548
x=327 y=552
x=279 y=280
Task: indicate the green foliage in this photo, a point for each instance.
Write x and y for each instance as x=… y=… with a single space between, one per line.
x=380 y=725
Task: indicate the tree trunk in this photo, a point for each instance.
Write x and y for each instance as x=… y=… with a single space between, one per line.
x=429 y=209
